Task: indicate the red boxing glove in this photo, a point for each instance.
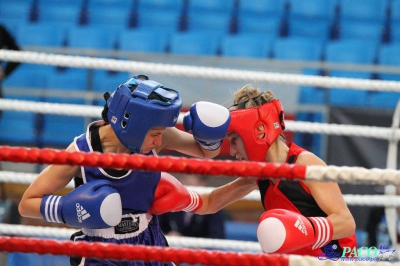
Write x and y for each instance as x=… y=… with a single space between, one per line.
x=172 y=196
x=282 y=231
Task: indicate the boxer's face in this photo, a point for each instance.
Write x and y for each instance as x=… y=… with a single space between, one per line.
x=153 y=138
x=237 y=148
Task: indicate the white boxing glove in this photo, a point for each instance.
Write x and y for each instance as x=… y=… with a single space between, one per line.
x=208 y=122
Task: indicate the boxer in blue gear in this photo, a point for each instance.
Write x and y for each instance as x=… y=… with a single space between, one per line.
x=138 y=117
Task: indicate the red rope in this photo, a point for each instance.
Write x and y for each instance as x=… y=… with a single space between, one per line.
x=153 y=163
x=138 y=252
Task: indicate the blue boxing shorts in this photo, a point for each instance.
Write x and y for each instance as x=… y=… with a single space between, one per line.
x=134 y=229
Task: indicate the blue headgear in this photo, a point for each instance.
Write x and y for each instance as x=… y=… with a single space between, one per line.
x=138 y=105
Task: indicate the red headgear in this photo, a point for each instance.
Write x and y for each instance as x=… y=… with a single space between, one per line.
x=245 y=122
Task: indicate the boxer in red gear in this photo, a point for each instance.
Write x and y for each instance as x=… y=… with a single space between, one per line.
x=301 y=217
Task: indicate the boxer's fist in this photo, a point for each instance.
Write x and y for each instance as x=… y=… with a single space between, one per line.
x=282 y=231
x=93 y=205
x=172 y=196
x=208 y=123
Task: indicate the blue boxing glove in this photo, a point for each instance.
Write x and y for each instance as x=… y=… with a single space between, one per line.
x=208 y=123
x=93 y=205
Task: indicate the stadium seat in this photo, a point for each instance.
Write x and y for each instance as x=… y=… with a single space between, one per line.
x=29 y=76
x=91 y=37
x=161 y=4
x=299 y=27
x=68 y=80
x=265 y=25
x=311 y=95
x=209 y=21
x=315 y=10
x=144 y=40
x=311 y=142
x=246 y=45
x=361 y=30
x=15 y=10
x=364 y=10
x=40 y=34
x=354 y=52
x=243 y=231
x=116 y=17
x=219 y=6
x=16 y=127
x=195 y=43
x=388 y=55
x=262 y=8
x=107 y=81
x=298 y=48
x=395 y=11
x=61 y=14
x=60 y=130
x=395 y=32
x=168 y=20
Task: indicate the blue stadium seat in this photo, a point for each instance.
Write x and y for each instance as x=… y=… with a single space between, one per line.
x=40 y=34
x=355 y=52
x=66 y=15
x=263 y=25
x=298 y=48
x=161 y=4
x=29 y=76
x=212 y=21
x=309 y=28
x=107 y=81
x=15 y=10
x=17 y=258
x=113 y=17
x=246 y=45
x=60 y=130
x=91 y=37
x=220 y=6
x=168 y=20
x=364 y=10
x=389 y=55
x=395 y=11
x=311 y=142
x=16 y=127
x=395 y=32
x=69 y=80
x=195 y=43
x=144 y=40
x=349 y=97
x=311 y=95
x=362 y=30
x=315 y=10
x=262 y=8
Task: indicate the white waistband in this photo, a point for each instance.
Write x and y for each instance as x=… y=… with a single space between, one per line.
x=140 y=220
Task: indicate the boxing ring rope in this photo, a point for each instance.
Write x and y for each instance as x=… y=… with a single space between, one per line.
x=193 y=71
x=362 y=200
x=339 y=174
x=248 y=169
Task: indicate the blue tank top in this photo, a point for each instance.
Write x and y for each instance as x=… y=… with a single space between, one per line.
x=136 y=188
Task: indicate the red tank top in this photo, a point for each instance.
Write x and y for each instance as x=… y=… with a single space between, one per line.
x=295 y=196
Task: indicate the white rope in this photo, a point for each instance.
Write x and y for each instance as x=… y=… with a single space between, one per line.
x=294 y=126
x=353 y=175
x=173 y=241
x=198 y=72
x=363 y=200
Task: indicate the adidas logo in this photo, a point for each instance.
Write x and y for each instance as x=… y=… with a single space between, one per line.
x=81 y=213
x=300 y=225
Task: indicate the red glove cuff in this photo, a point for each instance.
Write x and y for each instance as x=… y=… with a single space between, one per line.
x=323 y=231
x=195 y=202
